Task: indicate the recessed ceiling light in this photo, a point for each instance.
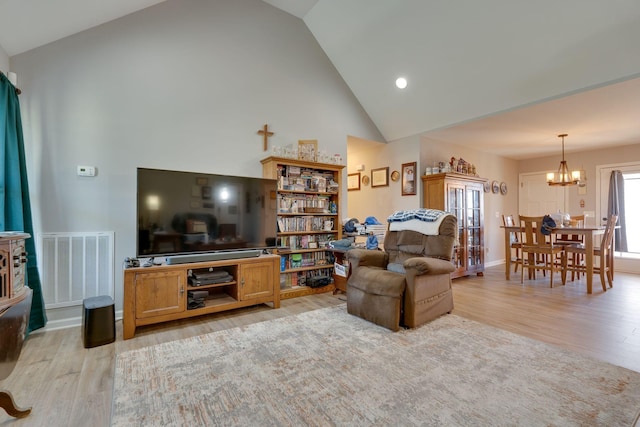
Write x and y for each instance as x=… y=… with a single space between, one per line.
x=401 y=82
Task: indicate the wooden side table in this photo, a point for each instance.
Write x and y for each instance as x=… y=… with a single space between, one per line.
x=14 y=319
x=15 y=309
x=339 y=281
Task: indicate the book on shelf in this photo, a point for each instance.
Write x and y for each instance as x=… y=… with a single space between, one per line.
x=320 y=183
x=293 y=171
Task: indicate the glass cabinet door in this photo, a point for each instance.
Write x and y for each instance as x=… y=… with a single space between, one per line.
x=455 y=206
x=474 y=226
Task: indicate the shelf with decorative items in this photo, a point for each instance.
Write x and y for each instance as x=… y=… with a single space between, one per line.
x=308 y=212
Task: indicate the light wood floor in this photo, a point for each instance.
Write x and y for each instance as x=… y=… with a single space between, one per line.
x=68 y=385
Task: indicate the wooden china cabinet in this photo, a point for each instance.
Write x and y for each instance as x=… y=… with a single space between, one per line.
x=463 y=196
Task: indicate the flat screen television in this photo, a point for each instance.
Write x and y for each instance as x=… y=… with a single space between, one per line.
x=196 y=213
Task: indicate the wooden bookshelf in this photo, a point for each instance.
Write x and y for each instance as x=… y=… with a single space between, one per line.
x=308 y=201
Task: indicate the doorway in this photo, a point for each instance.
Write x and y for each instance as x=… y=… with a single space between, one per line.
x=537 y=198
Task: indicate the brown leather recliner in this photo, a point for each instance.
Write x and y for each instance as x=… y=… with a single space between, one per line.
x=407 y=284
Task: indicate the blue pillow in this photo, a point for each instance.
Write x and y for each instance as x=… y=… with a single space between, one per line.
x=371 y=220
x=350 y=226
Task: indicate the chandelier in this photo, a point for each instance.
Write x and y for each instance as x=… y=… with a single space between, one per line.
x=563 y=177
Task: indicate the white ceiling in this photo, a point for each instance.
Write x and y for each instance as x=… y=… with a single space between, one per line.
x=25 y=25
x=457 y=79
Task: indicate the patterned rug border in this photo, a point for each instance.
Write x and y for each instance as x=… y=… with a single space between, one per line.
x=148 y=380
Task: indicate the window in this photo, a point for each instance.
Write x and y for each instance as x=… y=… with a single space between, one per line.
x=632 y=210
x=631 y=175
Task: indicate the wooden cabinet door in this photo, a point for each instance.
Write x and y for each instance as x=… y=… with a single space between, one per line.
x=434 y=194
x=256 y=280
x=159 y=294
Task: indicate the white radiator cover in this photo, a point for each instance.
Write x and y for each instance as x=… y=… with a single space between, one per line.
x=75 y=266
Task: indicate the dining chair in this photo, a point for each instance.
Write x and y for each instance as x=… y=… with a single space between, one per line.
x=540 y=252
x=516 y=246
x=573 y=240
x=603 y=253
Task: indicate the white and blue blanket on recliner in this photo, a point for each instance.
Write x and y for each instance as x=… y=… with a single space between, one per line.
x=425 y=221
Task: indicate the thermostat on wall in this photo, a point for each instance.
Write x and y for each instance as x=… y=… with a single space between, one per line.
x=86 y=171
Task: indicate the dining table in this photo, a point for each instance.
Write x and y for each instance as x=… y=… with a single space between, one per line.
x=589 y=233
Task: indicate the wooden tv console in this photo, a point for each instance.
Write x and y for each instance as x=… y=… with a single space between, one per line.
x=160 y=293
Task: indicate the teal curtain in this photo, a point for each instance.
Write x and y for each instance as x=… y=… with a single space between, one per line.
x=14 y=192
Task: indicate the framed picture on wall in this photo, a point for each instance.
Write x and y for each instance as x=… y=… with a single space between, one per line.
x=380 y=177
x=308 y=150
x=206 y=192
x=353 y=181
x=409 y=179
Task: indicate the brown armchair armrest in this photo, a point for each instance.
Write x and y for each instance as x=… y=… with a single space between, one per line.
x=367 y=258
x=426 y=265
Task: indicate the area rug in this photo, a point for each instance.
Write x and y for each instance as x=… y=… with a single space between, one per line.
x=328 y=368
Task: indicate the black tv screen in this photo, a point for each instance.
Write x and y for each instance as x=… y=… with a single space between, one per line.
x=190 y=213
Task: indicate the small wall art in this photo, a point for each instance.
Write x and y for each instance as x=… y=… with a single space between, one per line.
x=409 y=179
x=380 y=177
x=206 y=192
x=353 y=181
x=308 y=149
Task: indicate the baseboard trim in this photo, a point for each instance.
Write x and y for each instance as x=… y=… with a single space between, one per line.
x=70 y=322
x=494 y=263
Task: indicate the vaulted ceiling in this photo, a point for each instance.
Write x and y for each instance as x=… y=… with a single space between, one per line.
x=502 y=76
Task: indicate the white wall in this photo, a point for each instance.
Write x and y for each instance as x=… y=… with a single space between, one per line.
x=4 y=60
x=381 y=202
x=182 y=85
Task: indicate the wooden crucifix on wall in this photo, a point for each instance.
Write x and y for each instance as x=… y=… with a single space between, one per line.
x=265 y=134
